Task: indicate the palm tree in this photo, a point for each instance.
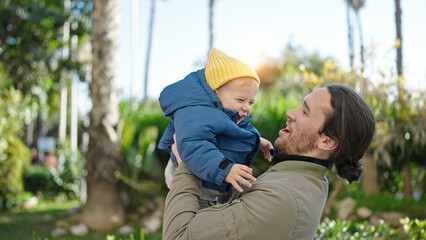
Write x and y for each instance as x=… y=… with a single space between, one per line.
x=103 y=210
x=356 y=5
x=402 y=98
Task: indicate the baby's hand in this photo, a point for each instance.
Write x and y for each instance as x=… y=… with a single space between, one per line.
x=238 y=174
x=175 y=151
x=266 y=146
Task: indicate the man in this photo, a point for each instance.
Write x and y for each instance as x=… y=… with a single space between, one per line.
x=332 y=127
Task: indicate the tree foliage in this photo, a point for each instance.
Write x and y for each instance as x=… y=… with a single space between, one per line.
x=14 y=155
x=31 y=51
x=31 y=39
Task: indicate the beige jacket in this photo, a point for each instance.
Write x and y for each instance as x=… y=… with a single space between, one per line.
x=285 y=202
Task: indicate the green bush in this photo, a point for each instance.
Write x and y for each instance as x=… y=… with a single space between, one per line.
x=413 y=229
x=38 y=179
x=14 y=155
x=339 y=230
x=144 y=124
x=69 y=178
x=51 y=182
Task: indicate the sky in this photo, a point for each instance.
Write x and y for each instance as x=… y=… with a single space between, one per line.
x=253 y=31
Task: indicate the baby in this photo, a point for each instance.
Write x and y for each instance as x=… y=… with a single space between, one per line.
x=210 y=115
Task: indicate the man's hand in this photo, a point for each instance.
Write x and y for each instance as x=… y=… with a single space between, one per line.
x=266 y=146
x=238 y=174
x=175 y=151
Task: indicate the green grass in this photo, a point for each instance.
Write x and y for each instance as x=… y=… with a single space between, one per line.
x=382 y=203
x=37 y=224
x=386 y=202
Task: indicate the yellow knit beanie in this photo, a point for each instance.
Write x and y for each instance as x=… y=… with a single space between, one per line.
x=222 y=68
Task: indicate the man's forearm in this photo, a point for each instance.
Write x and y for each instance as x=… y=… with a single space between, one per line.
x=181 y=204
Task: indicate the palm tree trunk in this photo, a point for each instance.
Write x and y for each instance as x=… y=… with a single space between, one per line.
x=399 y=67
x=370 y=184
x=29 y=136
x=361 y=41
x=402 y=99
x=211 y=37
x=398 y=38
x=408 y=189
x=350 y=40
x=103 y=210
x=148 y=53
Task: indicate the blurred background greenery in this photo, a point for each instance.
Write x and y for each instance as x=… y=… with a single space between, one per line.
x=32 y=85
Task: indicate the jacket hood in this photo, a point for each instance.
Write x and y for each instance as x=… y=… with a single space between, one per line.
x=193 y=90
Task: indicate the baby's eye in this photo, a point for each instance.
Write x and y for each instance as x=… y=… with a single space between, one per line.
x=304 y=112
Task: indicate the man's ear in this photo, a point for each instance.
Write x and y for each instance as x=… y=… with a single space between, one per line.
x=327 y=144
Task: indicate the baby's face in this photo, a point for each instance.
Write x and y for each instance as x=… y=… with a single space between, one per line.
x=238 y=95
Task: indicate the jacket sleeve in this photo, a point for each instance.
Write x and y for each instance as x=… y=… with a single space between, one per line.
x=196 y=130
x=166 y=140
x=259 y=213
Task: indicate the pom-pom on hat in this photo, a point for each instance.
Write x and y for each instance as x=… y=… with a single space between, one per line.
x=222 y=68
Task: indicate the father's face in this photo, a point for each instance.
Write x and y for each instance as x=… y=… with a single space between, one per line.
x=301 y=137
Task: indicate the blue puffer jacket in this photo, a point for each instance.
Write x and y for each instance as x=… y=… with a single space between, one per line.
x=206 y=133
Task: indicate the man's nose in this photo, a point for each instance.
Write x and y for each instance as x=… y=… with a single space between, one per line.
x=290 y=115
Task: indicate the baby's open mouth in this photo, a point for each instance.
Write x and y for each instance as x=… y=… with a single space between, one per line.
x=241 y=118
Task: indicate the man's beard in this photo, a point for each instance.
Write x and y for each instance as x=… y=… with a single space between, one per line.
x=296 y=145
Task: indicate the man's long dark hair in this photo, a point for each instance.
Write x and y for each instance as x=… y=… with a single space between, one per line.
x=352 y=124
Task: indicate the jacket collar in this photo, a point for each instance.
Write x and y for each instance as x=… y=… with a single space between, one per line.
x=302 y=164
x=279 y=157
